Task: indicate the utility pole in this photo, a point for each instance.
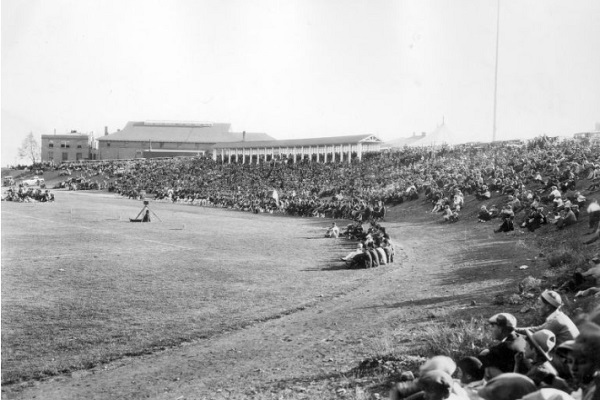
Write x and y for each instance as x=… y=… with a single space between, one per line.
x=496 y=70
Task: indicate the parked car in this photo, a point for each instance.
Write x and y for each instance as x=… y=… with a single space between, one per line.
x=35 y=181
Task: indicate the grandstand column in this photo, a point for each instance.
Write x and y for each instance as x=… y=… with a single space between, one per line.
x=349 y=154
x=214 y=154
x=359 y=151
x=243 y=156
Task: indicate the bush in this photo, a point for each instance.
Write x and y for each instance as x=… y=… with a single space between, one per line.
x=459 y=340
x=571 y=254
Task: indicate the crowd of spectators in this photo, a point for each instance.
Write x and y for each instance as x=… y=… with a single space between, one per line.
x=526 y=185
x=557 y=359
x=24 y=194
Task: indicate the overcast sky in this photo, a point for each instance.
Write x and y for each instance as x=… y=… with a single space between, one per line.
x=300 y=68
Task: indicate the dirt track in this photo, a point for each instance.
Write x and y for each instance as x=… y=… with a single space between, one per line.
x=440 y=269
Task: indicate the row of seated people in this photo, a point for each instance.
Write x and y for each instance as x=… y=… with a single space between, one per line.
x=28 y=195
x=374 y=246
x=556 y=360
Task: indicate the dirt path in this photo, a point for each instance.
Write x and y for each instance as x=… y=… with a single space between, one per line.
x=438 y=267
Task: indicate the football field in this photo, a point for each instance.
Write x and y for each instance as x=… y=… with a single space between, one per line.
x=81 y=285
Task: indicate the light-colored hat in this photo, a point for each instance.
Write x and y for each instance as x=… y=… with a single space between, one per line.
x=543 y=340
x=565 y=347
x=552 y=298
x=504 y=320
x=547 y=394
x=435 y=380
x=441 y=363
x=508 y=386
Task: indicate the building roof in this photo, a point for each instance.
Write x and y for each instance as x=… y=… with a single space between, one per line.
x=179 y=132
x=320 y=141
x=78 y=136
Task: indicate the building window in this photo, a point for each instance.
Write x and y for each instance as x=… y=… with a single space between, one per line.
x=78 y=156
x=51 y=144
x=62 y=145
x=78 y=146
x=107 y=144
x=51 y=156
x=65 y=156
x=68 y=144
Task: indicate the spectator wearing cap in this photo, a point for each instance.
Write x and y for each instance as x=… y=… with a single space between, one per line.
x=549 y=304
x=509 y=386
x=534 y=362
x=501 y=357
x=586 y=361
x=561 y=361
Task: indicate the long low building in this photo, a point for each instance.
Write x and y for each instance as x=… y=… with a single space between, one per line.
x=322 y=149
x=168 y=139
x=150 y=139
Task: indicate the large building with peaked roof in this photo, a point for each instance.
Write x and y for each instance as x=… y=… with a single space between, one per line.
x=168 y=139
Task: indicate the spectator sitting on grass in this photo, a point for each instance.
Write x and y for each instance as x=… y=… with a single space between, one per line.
x=508 y=216
x=437 y=385
x=508 y=386
x=562 y=357
x=501 y=357
x=449 y=215
x=567 y=217
x=548 y=305
x=484 y=214
x=589 y=281
x=534 y=361
x=586 y=360
x=333 y=231
x=359 y=250
x=471 y=374
x=417 y=388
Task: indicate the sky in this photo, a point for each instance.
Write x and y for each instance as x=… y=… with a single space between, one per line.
x=302 y=68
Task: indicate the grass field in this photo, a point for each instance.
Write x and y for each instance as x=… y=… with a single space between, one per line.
x=81 y=285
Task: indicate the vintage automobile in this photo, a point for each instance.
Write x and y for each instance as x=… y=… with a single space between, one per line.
x=35 y=181
x=8 y=181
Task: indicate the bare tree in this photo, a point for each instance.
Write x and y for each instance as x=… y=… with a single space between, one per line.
x=30 y=148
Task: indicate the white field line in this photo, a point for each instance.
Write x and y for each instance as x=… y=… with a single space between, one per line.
x=112 y=233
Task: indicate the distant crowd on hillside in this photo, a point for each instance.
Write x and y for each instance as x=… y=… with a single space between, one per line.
x=528 y=186
x=28 y=195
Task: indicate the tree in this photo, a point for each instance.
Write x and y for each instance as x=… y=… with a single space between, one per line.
x=30 y=148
